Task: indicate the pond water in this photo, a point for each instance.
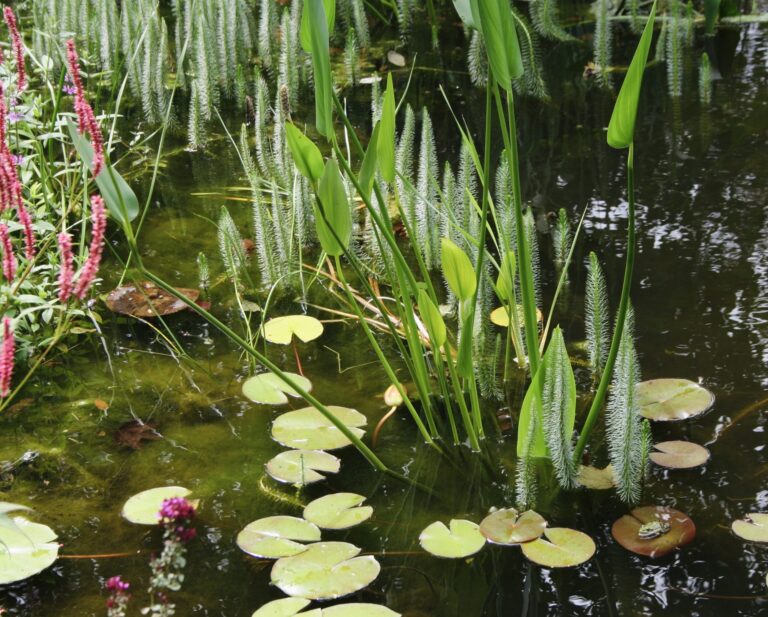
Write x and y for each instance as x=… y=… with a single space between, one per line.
x=701 y=300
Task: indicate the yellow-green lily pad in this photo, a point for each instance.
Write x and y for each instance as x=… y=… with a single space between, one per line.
x=281 y=330
x=26 y=548
x=277 y=536
x=679 y=454
x=560 y=548
x=462 y=539
x=325 y=571
x=500 y=316
x=290 y=607
x=753 y=527
x=338 y=511
x=143 y=508
x=269 y=389
x=302 y=467
x=670 y=400
x=286 y=607
x=308 y=429
x=596 y=478
x=509 y=527
x=358 y=609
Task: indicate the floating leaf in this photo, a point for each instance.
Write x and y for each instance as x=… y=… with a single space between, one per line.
x=290 y=607
x=269 y=389
x=308 y=429
x=653 y=531
x=302 y=467
x=26 y=548
x=668 y=400
x=679 y=454
x=286 y=607
x=143 y=508
x=509 y=527
x=6 y=507
x=461 y=540
x=562 y=548
x=145 y=299
x=281 y=330
x=500 y=316
x=358 y=609
x=325 y=571
x=594 y=478
x=753 y=528
x=277 y=536
x=338 y=511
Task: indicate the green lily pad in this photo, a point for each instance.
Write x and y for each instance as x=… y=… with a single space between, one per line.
x=753 y=528
x=143 y=508
x=509 y=527
x=269 y=389
x=308 y=429
x=26 y=548
x=277 y=536
x=500 y=316
x=290 y=607
x=358 y=609
x=302 y=467
x=562 y=548
x=338 y=511
x=281 y=330
x=653 y=531
x=325 y=571
x=461 y=540
x=669 y=400
x=286 y=607
x=679 y=454
x=596 y=478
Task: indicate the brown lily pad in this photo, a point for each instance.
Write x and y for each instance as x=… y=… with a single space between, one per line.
x=145 y=299
x=131 y=434
x=679 y=454
x=653 y=531
x=509 y=527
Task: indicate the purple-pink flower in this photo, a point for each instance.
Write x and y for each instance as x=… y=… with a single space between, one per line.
x=9 y=259
x=7 y=352
x=66 y=271
x=85 y=117
x=91 y=266
x=117 y=603
x=18 y=46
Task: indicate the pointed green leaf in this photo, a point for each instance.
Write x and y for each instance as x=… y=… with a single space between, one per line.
x=505 y=284
x=316 y=30
x=458 y=270
x=621 y=128
x=367 y=173
x=306 y=155
x=306 y=33
x=464 y=9
x=497 y=25
x=386 y=144
x=433 y=320
x=336 y=215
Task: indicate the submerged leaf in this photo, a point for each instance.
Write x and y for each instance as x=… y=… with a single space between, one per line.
x=143 y=508
x=753 y=528
x=679 y=454
x=338 y=511
x=653 y=531
x=145 y=299
x=325 y=571
x=302 y=467
x=562 y=548
x=281 y=330
x=269 y=389
x=669 y=400
x=277 y=536
x=308 y=429
x=461 y=540
x=597 y=479
x=509 y=527
x=26 y=548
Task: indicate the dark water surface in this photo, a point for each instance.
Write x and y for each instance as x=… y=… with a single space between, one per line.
x=701 y=298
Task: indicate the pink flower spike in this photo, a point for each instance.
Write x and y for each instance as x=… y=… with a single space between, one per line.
x=6 y=357
x=66 y=271
x=9 y=259
x=86 y=120
x=26 y=223
x=91 y=267
x=18 y=46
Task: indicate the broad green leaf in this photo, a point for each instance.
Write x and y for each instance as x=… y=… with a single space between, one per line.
x=458 y=270
x=560 y=548
x=308 y=429
x=462 y=539
x=315 y=21
x=669 y=400
x=386 y=143
x=306 y=155
x=433 y=320
x=464 y=360
x=277 y=536
x=325 y=571
x=753 y=528
x=333 y=216
x=281 y=330
x=497 y=25
x=367 y=173
x=269 y=389
x=464 y=9
x=653 y=531
x=302 y=467
x=306 y=34
x=505 y=284
x=143 y=508
x=338 y=511
x=120 y=199
x=621 y=128
x=26 y=548
x=509 y=527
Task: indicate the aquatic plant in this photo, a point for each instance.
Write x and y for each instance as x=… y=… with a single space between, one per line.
x=596 y=318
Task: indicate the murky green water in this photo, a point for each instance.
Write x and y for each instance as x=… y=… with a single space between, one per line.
x=702 y=313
